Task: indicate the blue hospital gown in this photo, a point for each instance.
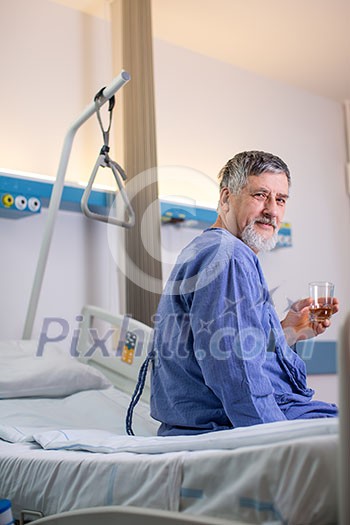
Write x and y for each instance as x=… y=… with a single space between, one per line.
x=221 y=359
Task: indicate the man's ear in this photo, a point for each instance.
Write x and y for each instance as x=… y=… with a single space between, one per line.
x=225 y=199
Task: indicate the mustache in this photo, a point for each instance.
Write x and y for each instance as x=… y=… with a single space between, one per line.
x=266 y=220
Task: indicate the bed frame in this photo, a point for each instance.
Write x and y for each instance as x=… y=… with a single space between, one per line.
x=127 y=342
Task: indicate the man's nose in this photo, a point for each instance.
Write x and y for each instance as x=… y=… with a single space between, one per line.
x=271 y=207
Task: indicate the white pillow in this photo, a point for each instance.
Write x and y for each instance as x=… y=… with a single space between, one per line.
x=54 y=374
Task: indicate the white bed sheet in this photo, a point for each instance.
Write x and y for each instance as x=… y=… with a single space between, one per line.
x=103 y=441
x=96 y=409
x=281 y=472
x=290 y=482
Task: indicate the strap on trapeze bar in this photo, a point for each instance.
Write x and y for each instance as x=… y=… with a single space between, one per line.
x=104 y=161
x=105 y=133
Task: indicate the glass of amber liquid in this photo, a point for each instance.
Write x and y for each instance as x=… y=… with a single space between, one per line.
x=322 y=293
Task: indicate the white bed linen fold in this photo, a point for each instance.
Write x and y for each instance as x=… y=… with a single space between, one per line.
x=17 y=434
x=91 y=440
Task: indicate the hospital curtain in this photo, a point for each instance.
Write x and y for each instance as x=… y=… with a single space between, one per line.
x=136 y=135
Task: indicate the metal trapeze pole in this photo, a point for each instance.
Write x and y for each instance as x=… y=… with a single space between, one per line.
x=56 y=195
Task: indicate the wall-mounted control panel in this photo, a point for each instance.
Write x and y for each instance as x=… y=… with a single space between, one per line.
x=22 y=196
x=17 y=198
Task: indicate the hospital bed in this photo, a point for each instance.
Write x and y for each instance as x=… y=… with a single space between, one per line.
x=64 y=447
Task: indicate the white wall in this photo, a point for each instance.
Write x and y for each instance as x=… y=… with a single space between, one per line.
x=79 y=271
x=53 y=61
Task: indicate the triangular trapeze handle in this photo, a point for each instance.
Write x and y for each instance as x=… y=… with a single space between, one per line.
x=105 y=162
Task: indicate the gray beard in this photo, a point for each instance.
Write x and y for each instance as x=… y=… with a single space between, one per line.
x=257 y=242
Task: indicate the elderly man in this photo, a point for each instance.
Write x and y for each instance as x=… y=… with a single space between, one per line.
x=220 y=355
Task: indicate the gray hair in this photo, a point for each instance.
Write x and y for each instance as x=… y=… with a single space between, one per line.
x=234 y=175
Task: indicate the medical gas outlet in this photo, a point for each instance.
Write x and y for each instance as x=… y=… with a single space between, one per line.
x=7 y=200
x=34 y=204
x=20 y=202
x=15 y=205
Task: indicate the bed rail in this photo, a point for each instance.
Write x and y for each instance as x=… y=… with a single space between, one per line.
x=127 y=345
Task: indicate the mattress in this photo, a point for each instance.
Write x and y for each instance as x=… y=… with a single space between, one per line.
x=56 y=481
x=292 y=482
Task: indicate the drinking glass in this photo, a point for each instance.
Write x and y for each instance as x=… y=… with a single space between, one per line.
x=322 y=293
